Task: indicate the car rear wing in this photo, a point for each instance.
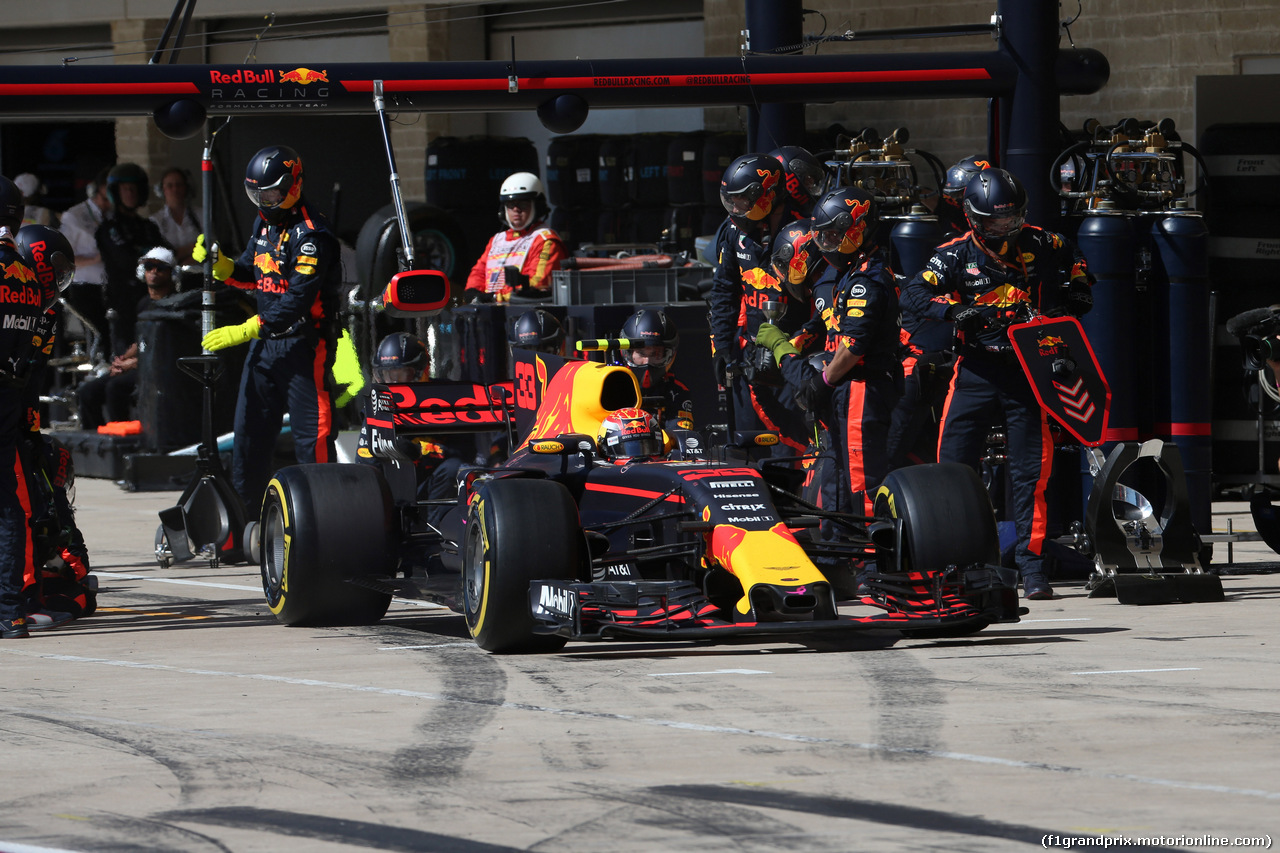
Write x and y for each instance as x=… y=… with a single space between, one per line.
x=434 y=408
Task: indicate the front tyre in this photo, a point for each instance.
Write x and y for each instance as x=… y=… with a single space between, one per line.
x=322 y=526
x=946 y=516
x=518 y=531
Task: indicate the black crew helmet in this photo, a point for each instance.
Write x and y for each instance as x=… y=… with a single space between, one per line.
x=273 y=181
x=49 y=254
x=401 y=358
x=12 y=208
x=958 y=177
x=995 y=204
x=844 y=223
x=749 y=189
x=796 y=260
x=651 y=345
x=127 y=173
x=803 y=178
x=538 y=330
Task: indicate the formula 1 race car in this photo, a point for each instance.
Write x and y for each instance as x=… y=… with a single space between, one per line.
x=560 y=543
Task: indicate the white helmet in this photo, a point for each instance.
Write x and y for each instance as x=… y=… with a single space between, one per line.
x=159 y=254
x=519 y=186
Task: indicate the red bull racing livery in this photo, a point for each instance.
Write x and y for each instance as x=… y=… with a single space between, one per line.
x=563 y=543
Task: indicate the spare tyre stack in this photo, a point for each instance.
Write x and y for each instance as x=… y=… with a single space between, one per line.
x=573 y=188
x=718 y=151
x=463 y=176
x=649 y=186
x=684 y=189
x=614 y=177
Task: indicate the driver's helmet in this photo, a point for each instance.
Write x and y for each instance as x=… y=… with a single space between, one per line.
x=995 y=204
x=844 y=222
x=651 y=345
x=958 y=177
x=796 y=258
x=803 y=178
x=273 y=181
x=518 y=187
x=749 y=189
x=628 y=434
x=538 y=330
x=401 y=358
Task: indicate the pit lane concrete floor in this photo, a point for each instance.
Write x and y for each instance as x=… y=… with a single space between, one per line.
x=182 y=718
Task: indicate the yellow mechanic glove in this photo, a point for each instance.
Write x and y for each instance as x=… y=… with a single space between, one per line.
x=346 y=370
x=775 y=340
x=232 y=336
x=222 y=265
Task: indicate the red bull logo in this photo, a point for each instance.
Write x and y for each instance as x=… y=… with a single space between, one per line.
x=798 y=268
x=304 y=76
x=764 y=204
x=1049 y=344
x=18 y=270
x=759 y=279
x=982 y=164
x=266 y=263
x=1003 y=296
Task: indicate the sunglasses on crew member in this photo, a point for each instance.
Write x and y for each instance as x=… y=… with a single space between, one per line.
x=151 y=266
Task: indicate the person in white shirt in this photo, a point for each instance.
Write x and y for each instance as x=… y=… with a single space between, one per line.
x=80 y=222
x=176 y=220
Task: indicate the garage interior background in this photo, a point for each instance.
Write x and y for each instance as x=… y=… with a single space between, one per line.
x=1199 y=62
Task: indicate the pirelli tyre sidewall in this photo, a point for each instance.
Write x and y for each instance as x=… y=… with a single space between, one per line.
x=322 y=526
x=518 y=530
x=946 y=516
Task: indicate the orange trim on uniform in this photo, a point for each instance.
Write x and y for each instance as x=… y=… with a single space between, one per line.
x=946 y=406
x=1040 y=514
x=324 y=419
x=29 y=548
x=771 y=426
x=853 y=438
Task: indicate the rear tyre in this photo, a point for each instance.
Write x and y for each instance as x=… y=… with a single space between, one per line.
x=324 y=526
x=518 y=531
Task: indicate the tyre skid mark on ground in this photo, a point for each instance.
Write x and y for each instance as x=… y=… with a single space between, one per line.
x=678 y=725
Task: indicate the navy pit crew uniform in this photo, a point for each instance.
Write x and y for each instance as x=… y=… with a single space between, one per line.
x=741 y=283
x=295 y=268
x=988 y=384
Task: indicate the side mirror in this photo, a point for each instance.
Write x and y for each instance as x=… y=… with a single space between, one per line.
x=416 y=293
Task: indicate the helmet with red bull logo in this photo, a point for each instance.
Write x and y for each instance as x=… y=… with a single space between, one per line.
x=651 y=349
x=630 y=434
x=844 y=221
x=796 y=261
x=49 y=254
x=958 y=177
x=803 y=178
x=401 y=358
x=749 y=189
x=995 y=204
x=273 y=181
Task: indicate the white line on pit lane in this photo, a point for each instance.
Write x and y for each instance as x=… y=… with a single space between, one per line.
x=1124 y=671
x=714 y=672
x=128 y=577
x=670 y=724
